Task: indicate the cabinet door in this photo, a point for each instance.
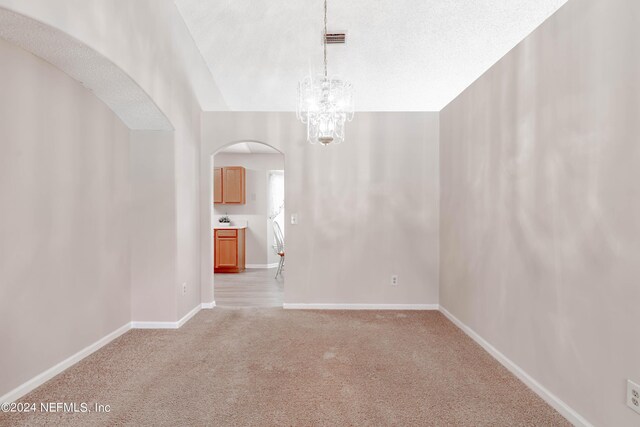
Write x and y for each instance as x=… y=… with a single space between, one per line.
x=241 y=249
x=233 y=187
x=226 y=252
x=217 y=185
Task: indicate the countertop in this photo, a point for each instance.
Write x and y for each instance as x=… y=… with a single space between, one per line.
x=231 y=227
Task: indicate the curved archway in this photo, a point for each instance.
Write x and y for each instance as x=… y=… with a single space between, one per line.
x=244 y=141
x=261 y=284
x=92 y=69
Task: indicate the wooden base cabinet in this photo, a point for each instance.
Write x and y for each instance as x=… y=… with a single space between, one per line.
x=229 y=251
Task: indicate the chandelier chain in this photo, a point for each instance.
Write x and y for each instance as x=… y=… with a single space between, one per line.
x=324 y=40
x=325 y=104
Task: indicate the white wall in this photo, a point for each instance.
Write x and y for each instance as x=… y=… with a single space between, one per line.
x=149 y=40
x=367 y=208
x=153 y=231
x=540 y=235
x=539 y=212
x=64 y=192
x=259 y=240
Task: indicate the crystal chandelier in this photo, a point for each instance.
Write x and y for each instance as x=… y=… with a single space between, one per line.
x=325 y=103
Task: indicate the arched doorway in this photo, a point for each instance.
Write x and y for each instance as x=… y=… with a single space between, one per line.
x=247 y=225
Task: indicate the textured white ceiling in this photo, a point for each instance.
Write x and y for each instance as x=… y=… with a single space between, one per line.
x=249 y=148
x=97 y=73
x=401 y=55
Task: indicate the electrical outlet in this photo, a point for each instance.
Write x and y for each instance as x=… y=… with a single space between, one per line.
x=394 y=280
x=633 y=396
x=184 y=288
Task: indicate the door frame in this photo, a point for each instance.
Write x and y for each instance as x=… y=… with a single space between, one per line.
x=210 y=174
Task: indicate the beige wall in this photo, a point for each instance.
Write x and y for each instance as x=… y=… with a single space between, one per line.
x=540 y=207
x=367 y=208
x=153 y=232
x=538 y=168
x=149 y=40
x=259 y=238
x=64 y=192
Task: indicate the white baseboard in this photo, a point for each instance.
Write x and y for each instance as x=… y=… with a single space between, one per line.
x=154 y=325
x=571 y=415
x=189 y=315
x=167 y=325
x=303 y=306
x=45 y=376
x=565 y=410
x=272 y=265
x=208 y=305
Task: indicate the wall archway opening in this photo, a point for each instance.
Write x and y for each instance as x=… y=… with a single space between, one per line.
x=246 y=187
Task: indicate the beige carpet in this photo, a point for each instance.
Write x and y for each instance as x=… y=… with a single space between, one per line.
x=265 y=367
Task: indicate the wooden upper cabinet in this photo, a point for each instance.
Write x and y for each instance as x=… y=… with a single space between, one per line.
x=232 y=182
x=217 y=185
x=229 y=185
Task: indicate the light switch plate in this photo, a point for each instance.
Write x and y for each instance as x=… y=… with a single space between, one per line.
x=294 y=219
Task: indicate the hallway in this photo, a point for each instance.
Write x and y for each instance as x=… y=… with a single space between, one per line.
x=252 y=288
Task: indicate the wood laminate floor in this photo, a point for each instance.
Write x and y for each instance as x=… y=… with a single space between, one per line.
x=254 y=287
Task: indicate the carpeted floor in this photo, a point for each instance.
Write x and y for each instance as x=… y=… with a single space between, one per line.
x=265 y=367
